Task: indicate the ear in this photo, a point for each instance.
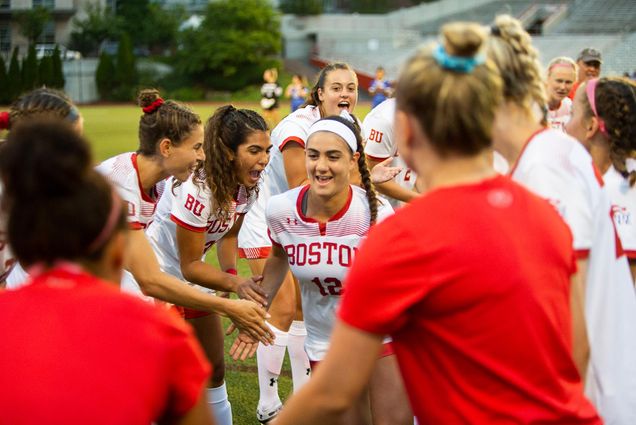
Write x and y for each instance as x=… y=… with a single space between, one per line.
x=592 y=127
x=403 y=133
x=321 y=95
x=165 y=146
x=113 y=258
x=354 y=160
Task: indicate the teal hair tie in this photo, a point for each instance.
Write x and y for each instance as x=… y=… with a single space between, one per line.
x=456 y=63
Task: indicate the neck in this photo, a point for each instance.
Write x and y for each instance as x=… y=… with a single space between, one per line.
x=150 y=171
x=512 y=129
x=554 y=104
x=600 y=152
x=322 y=208
x=457 y=170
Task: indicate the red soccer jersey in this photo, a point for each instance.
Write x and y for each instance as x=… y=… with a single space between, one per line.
x=472 y=282
x=75 y=350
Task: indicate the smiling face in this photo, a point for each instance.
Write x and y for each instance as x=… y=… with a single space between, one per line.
x=329 y=163
x=560 y=81
x=251 y=158
x=340 y=92
x=182 y=159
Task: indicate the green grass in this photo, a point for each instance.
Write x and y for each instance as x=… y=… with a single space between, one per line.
x=111 y=130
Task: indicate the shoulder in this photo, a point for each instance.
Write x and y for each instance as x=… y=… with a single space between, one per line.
x=284 y=202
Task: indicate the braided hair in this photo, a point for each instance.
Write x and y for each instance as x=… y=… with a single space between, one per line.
x=43 y=102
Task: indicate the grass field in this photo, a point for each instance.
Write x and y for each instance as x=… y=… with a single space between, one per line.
x=112 y=130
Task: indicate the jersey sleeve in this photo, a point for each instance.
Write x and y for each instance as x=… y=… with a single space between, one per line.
x=379 y=132
x=368 y=304
x=569 y=196
x=385 y=210
x=191 y=207
x=134 y=207
x=291 y=132
x=187 y=368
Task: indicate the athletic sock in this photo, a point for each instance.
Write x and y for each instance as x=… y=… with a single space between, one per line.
x=269 y=359
x=220 y=405
x=297 y=355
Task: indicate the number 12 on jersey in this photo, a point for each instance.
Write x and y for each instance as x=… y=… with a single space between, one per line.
x=330 y=286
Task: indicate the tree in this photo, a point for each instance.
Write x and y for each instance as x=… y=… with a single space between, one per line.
x=162 y=26
x=15 y=75
x=105 y=76
x=4 y=83
x=32 y=22
x=98 y=25
x=57 y=80
x=30 y=70
x=45 y=72
x=301 y=7
x=134 y=16
x=126 y=76
x=234 y=44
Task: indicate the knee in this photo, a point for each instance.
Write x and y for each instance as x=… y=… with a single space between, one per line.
x=218 y=373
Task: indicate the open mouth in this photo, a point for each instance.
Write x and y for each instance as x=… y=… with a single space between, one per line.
x=322 y=180
x=344 y=105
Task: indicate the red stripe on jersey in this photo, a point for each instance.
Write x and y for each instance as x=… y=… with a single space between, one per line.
x=582 y=254
x=135 y=225
x=630 y=254
x=255 y=253
x=532 y=136
x=294 y=139
x=337 y=216
x=376 y=158
x=598 y=175
x=186 y=225
x=146 y=197
x=273 y=241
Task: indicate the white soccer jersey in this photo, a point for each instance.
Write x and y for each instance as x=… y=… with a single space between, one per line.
x=122 y=172
x=623 y=198
x=557 y=167
x=320 y=255
x=190 y=205
x=558 y=118
x=253 y=241
x=7 y=259
x=380 y=144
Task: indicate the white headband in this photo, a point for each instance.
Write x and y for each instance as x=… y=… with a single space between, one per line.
x=335 y=127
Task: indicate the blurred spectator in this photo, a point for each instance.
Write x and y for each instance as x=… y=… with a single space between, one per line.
x=380 y=88
x=589 y=62
x=296 y=91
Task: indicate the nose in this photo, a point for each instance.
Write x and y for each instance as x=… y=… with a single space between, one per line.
x=321 y=163
x=264 y=159
x=200 y=155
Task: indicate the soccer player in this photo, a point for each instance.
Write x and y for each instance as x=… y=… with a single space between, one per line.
x=558 y=168
x=604 y=120
x=171 y=144
x=75 y=349
x=559 y=81
x=208 y=209
x=480 y=328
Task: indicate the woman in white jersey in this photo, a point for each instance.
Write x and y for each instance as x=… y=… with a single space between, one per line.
x=42 y=102
x=336 y=89
x=604 y=120
x=208 y=209
x=557 y=167
x=559 y=81
x=170 y=144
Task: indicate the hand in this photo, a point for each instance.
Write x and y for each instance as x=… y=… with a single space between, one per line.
x=243 y=347
x=249 y=318
x=382 y=173
x=251 y=289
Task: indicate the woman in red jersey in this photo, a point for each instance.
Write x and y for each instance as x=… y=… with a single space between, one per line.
x=481 y=329
x=76 y=350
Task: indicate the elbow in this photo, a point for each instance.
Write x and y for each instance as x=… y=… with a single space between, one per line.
x=187 y=272
x=148 y=283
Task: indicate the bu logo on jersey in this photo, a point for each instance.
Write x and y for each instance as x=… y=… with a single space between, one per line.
x=194 y=205
x=376 y=136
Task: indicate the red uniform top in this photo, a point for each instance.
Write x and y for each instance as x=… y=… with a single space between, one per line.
x=75 y=350
x=472 y=282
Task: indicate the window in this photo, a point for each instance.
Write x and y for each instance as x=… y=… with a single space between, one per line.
x=49 y=4
x=48 y=35
x=5 y=4
x=5 y=38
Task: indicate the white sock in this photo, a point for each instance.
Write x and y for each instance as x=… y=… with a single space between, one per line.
x=220 y=405
x=297 y=355
x=269 y=360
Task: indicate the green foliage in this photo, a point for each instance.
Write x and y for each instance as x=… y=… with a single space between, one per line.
x=301 y=7
x=57 y=77
x=32 y=22
x=98 y=25
x=162 y=26
x=15 y=75
x=126 y=76
x=45 y=72
x=30 y=70
x=234 y=44
x=105 y=76
x=134 y=15
x=4 y=83
x=187 y=94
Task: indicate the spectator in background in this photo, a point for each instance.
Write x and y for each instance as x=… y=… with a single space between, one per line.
x=560 y=79
x=296 y=91
x=380 y=88
x=271 y=92
x=589 y=62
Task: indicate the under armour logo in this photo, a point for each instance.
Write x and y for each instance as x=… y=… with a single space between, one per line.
x=272 y=382
x=308 y=371
x=292 y=220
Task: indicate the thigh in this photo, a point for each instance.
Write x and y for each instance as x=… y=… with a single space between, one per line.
x=209 y=332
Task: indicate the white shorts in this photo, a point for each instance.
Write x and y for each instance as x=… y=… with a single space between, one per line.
x=253 y=240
